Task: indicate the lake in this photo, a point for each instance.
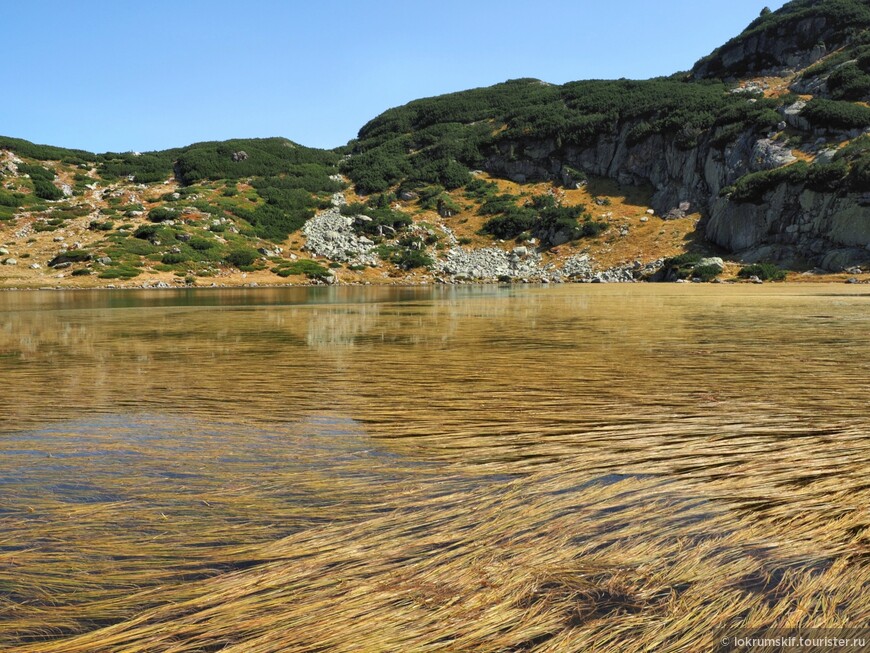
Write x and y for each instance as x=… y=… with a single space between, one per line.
x=470 y=468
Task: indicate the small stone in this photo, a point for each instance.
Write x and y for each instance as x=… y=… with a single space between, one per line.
x=10 y=261
x=650 y=212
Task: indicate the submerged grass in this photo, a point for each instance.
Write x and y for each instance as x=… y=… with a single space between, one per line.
x=617 y=514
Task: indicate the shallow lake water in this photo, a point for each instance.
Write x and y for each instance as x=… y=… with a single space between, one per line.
x=179 y=426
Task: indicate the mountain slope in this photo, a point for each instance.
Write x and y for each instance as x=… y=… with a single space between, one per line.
x=761 y=152
x=778 y=166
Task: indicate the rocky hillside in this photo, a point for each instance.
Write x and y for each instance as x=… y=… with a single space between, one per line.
x=760 y=154
x=766 y=137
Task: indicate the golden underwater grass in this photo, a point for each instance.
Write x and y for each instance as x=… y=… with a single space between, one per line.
x=649 y=490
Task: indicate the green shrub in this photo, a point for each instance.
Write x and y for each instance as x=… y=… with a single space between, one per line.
x=706 y=272
x=478 y=189
x=173 y=258
x=120 y=272
x=681 y=266
x=752 y=187
x=46 y=190
x=161 y=214
x=10 y=199
x=44 y=152
x=82 y=272
x=764 y=271
x=511 y=223
x=241 y=256
x=849 y=83
x=837 y=115
x=308 y=268
x=408 y=259
x=201 y=244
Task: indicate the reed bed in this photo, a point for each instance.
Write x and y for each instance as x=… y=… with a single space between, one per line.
x=413 y=477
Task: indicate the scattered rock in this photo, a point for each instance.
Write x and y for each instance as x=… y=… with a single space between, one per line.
x=712 y=261
x=768 y=154
x=331 y=234
x=241 y=155
x=678 y=212
x=10 y=261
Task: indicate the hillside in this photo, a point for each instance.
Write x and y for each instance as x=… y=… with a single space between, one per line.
x=760 y=153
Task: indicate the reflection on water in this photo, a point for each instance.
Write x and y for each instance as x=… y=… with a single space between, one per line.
x=213 y=419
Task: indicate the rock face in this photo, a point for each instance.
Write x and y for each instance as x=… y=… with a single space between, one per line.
x=830 y=230
x=794 y=224
x=786 y=46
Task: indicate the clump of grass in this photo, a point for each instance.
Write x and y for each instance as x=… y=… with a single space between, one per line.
x=305 y=267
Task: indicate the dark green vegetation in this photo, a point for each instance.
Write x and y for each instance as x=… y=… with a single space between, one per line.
x=850 y=170
x=438 y=140
x=291 y=180
x=541 y=217
x=688 y=266
x=764 y=271
x=309 y=269
x=42 y=178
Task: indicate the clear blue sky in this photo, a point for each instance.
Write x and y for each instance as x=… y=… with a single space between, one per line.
x=119 y=75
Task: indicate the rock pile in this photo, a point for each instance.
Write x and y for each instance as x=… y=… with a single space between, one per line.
x=492 y=263
x=331 y=234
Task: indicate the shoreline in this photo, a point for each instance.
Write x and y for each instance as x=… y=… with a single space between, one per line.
x=795 y=279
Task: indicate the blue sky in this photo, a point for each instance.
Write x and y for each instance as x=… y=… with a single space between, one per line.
x=110 y=75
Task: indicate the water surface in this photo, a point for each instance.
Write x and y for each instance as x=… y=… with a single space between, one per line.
x=182 y=424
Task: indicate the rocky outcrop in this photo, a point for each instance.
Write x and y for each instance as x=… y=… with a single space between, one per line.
x=493 y=263
x=788 y=45
x=331 y=234
x=793 y=225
